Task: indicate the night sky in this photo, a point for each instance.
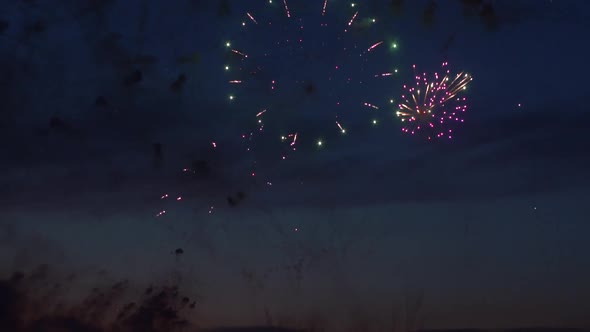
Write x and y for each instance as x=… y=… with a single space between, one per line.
x=130 y=162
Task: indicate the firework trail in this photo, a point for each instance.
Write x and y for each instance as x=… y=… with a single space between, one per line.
x=431 y=106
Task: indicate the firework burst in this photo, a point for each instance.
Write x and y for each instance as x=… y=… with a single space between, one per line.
x=431 y=106
x=306 y=72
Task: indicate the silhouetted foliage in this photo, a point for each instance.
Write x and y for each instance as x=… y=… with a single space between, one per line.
x=101 y=102
x=484 y=9
x=236 y=199
x=252 y=329
x=158 y=155
x=489 y=17
x=189 y=59
x=471 y=3
x=428 y=16
x=3 y=26
x=141 y=60
x=10 y=305
x=177 y=85
x=397 y=6
x=96 y=7
x=224 y=8
x=201 y=168
x=232 y=201
x=133 y=78
x=448 y=43
x=110 y=51
x=310 y=88
x=28 y=304
x=58 y=125
x=35 y=27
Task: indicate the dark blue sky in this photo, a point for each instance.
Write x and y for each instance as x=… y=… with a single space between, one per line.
x=490 y=227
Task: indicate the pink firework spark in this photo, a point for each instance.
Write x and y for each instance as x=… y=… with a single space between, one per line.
x=374 y=45
x=287 y=8
x=371 y=105
x=252 y=18
x=240 y=53
x=352 y=19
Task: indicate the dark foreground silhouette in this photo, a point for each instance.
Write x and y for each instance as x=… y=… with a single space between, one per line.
x=250 y=329
x=33 y=302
